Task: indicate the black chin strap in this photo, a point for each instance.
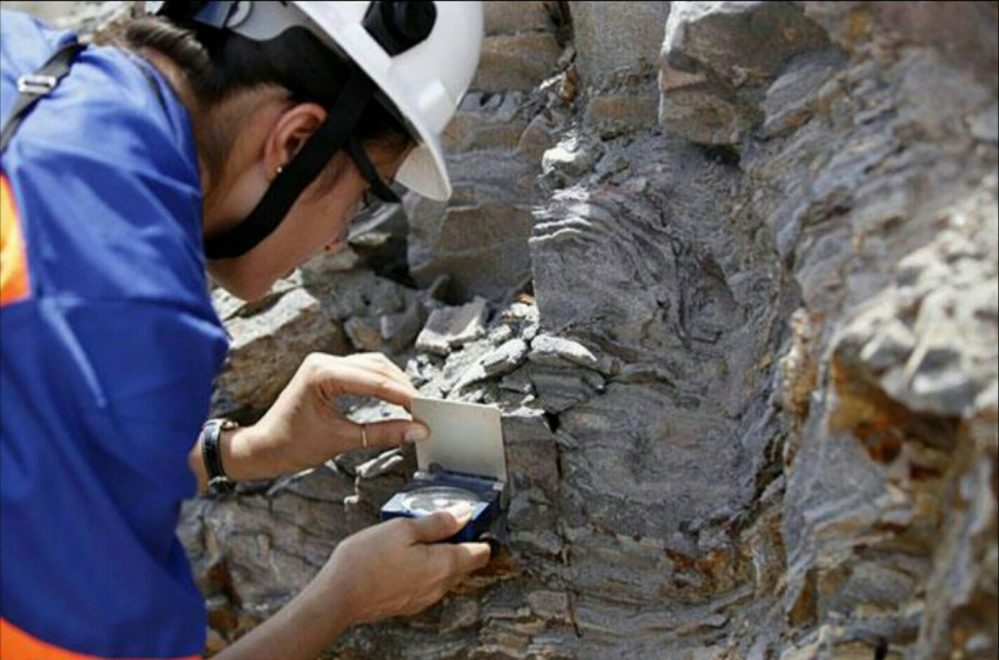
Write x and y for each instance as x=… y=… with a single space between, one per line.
x=333 y=135
x=368 y=172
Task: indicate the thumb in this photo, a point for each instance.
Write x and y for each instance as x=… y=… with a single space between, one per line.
x=441 y=525
x=391 y=433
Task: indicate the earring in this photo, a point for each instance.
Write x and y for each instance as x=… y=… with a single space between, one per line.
x=280 y=168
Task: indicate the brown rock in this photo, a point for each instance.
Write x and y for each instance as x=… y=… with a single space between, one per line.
x=515 y=62
x=267 y=348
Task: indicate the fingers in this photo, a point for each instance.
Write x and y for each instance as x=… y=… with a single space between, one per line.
x=378 y=362
x=336 y=378
x=469 y=557
x=455 y=562
x=391 y=433
x=441 y=525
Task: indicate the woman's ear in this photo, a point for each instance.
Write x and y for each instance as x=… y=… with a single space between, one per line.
x=293 y=129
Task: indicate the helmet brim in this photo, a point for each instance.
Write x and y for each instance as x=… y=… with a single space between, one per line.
x=425 y=172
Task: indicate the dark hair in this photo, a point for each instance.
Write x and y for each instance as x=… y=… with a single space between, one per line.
x=218 y=64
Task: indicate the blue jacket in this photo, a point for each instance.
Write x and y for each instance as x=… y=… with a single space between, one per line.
x=108 y=348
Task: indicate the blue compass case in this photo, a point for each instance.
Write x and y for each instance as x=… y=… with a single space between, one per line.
x=463 y=460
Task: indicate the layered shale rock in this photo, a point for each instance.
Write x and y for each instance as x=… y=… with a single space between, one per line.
x=494 y=143
x=750 y=408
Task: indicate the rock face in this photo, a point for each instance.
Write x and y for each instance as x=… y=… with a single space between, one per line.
x=269 y=341
x=738 y=274
x=494 y=144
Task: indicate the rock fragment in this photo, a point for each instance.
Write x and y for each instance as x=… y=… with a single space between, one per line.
x=451 y=327
x=716 y=56
x=504 y=359
x=364 y=335
x=549 y=349
x=615 y=36
x=267 y=348
x=399 y=330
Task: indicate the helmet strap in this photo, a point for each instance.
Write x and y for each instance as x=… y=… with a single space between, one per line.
x=378 y=187
x=335 y=133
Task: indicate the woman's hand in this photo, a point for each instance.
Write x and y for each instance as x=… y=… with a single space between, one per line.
x=303 y=427
x=391 y=569
x=398 y=567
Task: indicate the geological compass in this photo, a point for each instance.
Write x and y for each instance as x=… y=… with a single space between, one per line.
x=463 y=461
x=434 y=498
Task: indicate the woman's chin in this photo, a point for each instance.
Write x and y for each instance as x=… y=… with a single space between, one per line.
x=242 y=279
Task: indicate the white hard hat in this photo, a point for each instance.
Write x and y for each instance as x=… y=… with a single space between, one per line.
x=425 y=82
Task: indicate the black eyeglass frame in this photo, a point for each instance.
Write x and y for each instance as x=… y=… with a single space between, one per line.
x=377 y=187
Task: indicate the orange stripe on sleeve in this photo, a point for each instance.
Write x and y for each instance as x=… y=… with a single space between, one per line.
x=19 y=645
x=15 y=644
x=14 y=284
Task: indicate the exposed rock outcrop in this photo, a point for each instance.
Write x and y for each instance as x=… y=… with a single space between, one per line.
x=750 y=409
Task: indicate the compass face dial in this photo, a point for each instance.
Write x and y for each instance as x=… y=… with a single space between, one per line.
x=434 y=498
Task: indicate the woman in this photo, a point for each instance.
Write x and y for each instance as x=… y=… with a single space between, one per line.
x=247 y=133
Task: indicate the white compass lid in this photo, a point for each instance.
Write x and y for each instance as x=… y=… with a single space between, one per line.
x=464 y=437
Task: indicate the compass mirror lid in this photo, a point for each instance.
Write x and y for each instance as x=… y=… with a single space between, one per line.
x=464 y=437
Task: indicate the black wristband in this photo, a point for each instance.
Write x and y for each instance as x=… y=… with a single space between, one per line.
x=211 y=455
